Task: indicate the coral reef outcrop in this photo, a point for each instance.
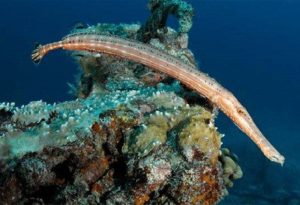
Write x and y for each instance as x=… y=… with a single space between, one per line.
x=131 y=146
x=131 y=136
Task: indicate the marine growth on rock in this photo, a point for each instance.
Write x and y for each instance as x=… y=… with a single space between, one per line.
x=130 y=136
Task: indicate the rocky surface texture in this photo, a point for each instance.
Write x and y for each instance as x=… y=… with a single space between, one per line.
x=132 y=136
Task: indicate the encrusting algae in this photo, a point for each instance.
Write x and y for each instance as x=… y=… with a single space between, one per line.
x=132 y=136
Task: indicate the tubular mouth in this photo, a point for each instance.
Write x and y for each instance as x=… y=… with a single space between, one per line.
x=279 y=159
x=36 y=54
x=276 y=157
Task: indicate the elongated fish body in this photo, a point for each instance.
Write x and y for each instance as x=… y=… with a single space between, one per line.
x=165 y=63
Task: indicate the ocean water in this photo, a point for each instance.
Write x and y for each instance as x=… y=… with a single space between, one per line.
x=251 y=47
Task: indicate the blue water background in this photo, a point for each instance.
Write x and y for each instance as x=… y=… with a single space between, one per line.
x=251 y=47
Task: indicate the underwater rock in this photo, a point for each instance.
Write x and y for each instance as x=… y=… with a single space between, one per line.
x=132 y=136
x=131 y=146
x=161 y=10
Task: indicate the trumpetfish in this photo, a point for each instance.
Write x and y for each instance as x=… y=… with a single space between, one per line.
x=159 y=60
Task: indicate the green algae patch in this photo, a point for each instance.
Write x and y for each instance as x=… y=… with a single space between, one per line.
x=153 y=134
x=231 y=170
x=198 y=133
x=188 y=127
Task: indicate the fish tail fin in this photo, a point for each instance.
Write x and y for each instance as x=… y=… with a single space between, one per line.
x=37 y=53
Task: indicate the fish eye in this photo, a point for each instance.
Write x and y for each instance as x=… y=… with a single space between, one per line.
x=241 y=111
